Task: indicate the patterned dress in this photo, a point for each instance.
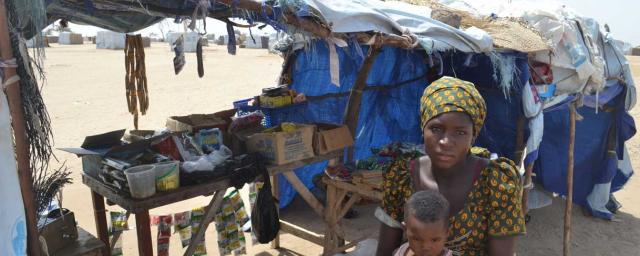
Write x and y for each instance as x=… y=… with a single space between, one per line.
x=493 y=207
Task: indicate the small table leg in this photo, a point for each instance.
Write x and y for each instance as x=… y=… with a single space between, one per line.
x=143 y=228
x=100 y=216
x=275 y=244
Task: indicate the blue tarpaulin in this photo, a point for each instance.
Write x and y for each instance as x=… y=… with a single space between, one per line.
x=595 y=166
x=390 y=106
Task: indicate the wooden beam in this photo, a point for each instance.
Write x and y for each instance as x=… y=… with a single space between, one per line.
x=301 y=233
x=528 y=185
x=209 y=215
x=277 y=169
x=143 y=230
x=159 y=199
x=518 y=156
x=20 y=138
x=100 y=217
x=569 y=202
x=371 y=194
x=354 y=198
x=304 y=192
x=275 y=191
x=352 y=111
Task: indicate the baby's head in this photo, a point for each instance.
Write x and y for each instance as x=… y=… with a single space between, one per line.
x=426 y=222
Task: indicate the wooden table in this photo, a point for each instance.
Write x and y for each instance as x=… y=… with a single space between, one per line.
x=287 y=170
x=141 y=207
x=85 y=245
x=337 y=206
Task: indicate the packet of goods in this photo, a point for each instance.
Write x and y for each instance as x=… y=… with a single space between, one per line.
x=182 y=225
x=164 y=235
x=209 y=139
x=185 y=236
x=238 y=208
x=119 y=222
x=181 y=220
x=196 y=219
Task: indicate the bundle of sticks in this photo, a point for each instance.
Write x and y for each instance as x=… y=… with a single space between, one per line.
x=136 y=77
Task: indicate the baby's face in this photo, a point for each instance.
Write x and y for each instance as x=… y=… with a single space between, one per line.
x=426 y=239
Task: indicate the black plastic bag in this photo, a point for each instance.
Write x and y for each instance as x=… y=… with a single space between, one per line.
x=264 y=215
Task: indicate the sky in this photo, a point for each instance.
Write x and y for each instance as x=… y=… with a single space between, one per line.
x=622 y=16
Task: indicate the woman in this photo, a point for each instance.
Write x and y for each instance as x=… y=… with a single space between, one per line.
x=484 y=194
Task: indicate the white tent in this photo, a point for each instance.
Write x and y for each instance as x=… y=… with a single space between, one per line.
x=70 y=38
x=190 y=40
x=110 y=40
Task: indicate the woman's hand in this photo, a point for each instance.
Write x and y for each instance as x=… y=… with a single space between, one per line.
x=389 y=239
x=502 y=246
x=427 y=181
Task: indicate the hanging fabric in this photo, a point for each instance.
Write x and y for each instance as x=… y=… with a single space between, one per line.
x=199 y=57
x=231 y=45
x=136 y=77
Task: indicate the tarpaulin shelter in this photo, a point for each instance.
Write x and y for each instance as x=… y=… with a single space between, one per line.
x=402 y=50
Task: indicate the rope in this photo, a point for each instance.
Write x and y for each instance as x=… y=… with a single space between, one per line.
x=135 y=78
x=10 y=63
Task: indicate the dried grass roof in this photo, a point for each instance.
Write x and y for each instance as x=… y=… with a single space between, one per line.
x=507 y=33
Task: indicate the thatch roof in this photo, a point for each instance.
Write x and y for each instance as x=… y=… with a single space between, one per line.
x=507 y=33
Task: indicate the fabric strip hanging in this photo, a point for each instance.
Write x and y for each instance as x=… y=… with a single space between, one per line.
x=136 y=77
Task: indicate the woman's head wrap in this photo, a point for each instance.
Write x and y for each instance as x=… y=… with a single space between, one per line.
x=449 y=94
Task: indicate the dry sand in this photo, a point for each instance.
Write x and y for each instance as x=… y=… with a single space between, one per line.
x=85 y=96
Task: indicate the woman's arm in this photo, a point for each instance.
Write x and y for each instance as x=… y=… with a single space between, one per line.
x=389 y=239
x=502 y=246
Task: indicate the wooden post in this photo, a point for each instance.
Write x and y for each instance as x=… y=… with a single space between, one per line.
x=275 y=191
x=143 y=228
x=19 y=133
x=352 y=110
x=520 y=145
x=528 y=172
x=569 y=202
x=100 y=216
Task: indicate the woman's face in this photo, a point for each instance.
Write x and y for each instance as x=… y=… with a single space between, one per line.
x=448 y=138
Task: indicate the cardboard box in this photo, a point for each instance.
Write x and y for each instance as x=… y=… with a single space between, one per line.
x=275 y=101
x=284 y=147
x=59 y=233
x=196 y=122
x=331 y=137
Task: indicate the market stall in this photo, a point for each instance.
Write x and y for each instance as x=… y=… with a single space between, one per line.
x=357 y=89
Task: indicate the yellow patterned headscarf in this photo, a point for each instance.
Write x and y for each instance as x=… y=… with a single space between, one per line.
x=449 y=94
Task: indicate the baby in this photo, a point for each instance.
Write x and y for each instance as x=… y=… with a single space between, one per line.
x=426 y=225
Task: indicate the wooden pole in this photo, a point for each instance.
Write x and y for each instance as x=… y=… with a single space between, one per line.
x=569 y=202
x=518 y=156
x=19 y=133
x=528 y=171
x=352 y=110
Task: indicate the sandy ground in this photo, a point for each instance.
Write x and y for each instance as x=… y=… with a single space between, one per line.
x=85 y=96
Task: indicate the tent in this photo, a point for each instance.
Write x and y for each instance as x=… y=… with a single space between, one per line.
x=110 y=40
x=402 y=49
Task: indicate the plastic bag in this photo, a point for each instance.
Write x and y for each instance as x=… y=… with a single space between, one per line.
x=208 y=162
x=265 y=222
